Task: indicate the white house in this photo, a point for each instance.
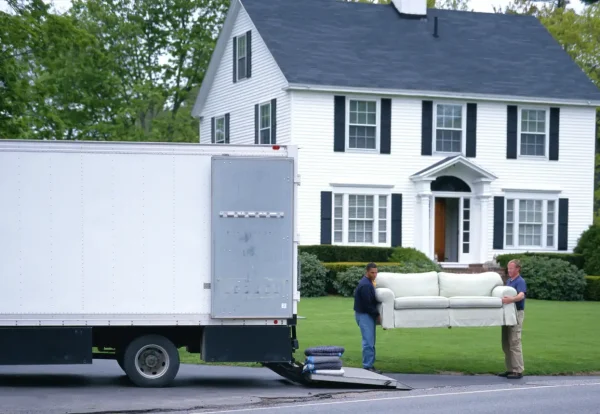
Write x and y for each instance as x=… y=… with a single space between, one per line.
x=462 y=134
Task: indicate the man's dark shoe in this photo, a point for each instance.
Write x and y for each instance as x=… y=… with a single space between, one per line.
x=515 y=375
x=372 y=369
x=504 y=374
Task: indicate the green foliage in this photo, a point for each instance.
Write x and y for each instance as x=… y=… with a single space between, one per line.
x=411 y=255
x=588 y=246
x=313 y=276
x=592 y=289
x=346 y=281
x=575 y=259
x=331 y=253
x=552 y=279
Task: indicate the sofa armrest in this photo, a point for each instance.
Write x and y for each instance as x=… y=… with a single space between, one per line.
x=502 y=291
x=385 y=297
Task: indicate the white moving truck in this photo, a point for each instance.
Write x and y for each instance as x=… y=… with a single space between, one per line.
x=129 y=251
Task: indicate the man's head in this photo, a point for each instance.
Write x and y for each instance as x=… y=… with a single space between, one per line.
x=372 y=271
x=514 y=268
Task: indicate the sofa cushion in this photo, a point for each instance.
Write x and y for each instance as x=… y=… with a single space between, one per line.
x=467 y=284
x=421 y=302
x=475 y=302
x=409 y=284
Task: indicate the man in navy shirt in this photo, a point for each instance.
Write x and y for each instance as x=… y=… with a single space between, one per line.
x=511 y=335
x=367 y=315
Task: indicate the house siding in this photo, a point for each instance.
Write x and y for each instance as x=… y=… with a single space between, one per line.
x=238 y=99
x=319 y=165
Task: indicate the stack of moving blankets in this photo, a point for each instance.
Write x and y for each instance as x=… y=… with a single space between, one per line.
x=324 y=360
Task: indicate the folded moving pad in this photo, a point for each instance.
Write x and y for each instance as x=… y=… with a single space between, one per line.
x=333 y=372
x=323 y=365
x=322 y=359
x=325 y=351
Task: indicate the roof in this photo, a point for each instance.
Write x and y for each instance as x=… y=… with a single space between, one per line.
x=347 y=44
x=444 y=163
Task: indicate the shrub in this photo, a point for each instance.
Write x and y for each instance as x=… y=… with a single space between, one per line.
x=592 y=290
x=552 y=279
x=346 y=281
x=331 y=253
x=313 y=276
x=588 y=245
x=575 y=259
x=333 y=269
x=410 y=255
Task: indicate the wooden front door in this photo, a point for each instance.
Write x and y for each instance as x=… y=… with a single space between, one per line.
x=439 y=238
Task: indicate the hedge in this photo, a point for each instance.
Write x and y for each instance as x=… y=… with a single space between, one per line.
x=573 y=258
x=331 y=253
x=592 y=290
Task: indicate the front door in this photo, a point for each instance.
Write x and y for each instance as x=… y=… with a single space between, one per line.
x=440 y=229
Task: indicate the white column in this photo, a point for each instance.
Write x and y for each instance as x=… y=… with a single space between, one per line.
x=424 y=231
x=484 y=202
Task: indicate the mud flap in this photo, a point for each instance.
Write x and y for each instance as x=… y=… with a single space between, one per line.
x=352 y=378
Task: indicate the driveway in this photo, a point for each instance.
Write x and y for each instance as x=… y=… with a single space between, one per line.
x=103 y=388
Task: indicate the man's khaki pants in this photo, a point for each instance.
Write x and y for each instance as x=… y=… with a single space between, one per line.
x=511 y=345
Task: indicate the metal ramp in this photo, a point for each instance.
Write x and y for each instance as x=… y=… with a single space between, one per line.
x=352 y=378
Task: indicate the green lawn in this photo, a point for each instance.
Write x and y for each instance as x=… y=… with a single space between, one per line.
x=558 y=338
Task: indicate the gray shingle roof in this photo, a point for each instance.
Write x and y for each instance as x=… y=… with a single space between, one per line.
x=337 y=43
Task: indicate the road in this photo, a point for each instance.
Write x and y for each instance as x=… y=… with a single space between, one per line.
x=103 y=388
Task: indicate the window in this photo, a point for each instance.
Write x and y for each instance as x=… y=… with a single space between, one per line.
x=220 y=130
x=466 y=225
x=533 y=132
x=264 y=129
x=530 y=223
x=362 y=125
x=241 y=57
x=360 y=219
x=449 y=127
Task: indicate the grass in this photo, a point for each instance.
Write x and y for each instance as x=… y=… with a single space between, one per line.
x=558 y=338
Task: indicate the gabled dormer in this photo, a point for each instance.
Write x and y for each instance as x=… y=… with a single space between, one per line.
x=242 y=56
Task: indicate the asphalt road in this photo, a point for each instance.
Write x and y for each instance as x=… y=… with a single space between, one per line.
x=103 y=388
x=582 y=398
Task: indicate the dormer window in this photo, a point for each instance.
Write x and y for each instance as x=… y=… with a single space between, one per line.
x=242 y=56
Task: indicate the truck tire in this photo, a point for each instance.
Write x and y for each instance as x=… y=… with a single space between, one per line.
x=151 y=361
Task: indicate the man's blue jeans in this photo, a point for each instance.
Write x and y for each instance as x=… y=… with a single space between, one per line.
x=366 y=323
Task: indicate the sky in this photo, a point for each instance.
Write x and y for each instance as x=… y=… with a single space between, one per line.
x=477 y=5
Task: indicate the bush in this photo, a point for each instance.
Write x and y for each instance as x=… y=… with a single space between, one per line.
x=592 y=290
x=575 y=259
x=331 y=253
x=588 y=245
x=552 y=279
x=410 y=255
x=346 y=281
x=313 y=276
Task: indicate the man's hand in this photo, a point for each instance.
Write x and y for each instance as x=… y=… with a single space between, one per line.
x=507 y=300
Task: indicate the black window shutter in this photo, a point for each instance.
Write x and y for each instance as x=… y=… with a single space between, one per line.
x=326 y=207
x=212 y=130
x=273 y=121
x=554 y=127
x=227 y=128
x=498 y=223
x=471 y=130
x=256 y=124
x=563 y=223
x=385 y=146
x=396 y=220
x=234 y=59
x=339 y=124
x=427 y=128
x=248 y=54
x=511 y=131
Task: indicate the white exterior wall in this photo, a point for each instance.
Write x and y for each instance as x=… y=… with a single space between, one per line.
x=319 y=165
x=238 y=99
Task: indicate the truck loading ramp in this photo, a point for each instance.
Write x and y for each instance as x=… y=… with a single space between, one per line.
x=352 y=378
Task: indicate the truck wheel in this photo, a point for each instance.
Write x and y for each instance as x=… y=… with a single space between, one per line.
x=151 y=361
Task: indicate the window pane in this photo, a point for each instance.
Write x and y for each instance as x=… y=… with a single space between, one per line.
x=265 y=136
x=241 y=46
x=265 y=116
x=363 y=112
x=533 y=144
x=241 y=68
x=362 y=137
x=448 y=140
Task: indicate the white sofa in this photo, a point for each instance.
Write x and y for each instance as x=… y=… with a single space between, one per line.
x=437 y=300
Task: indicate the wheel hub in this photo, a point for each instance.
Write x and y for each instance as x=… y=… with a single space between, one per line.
x=152 y=361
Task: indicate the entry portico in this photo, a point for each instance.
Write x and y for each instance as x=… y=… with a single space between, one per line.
x=453 y=200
